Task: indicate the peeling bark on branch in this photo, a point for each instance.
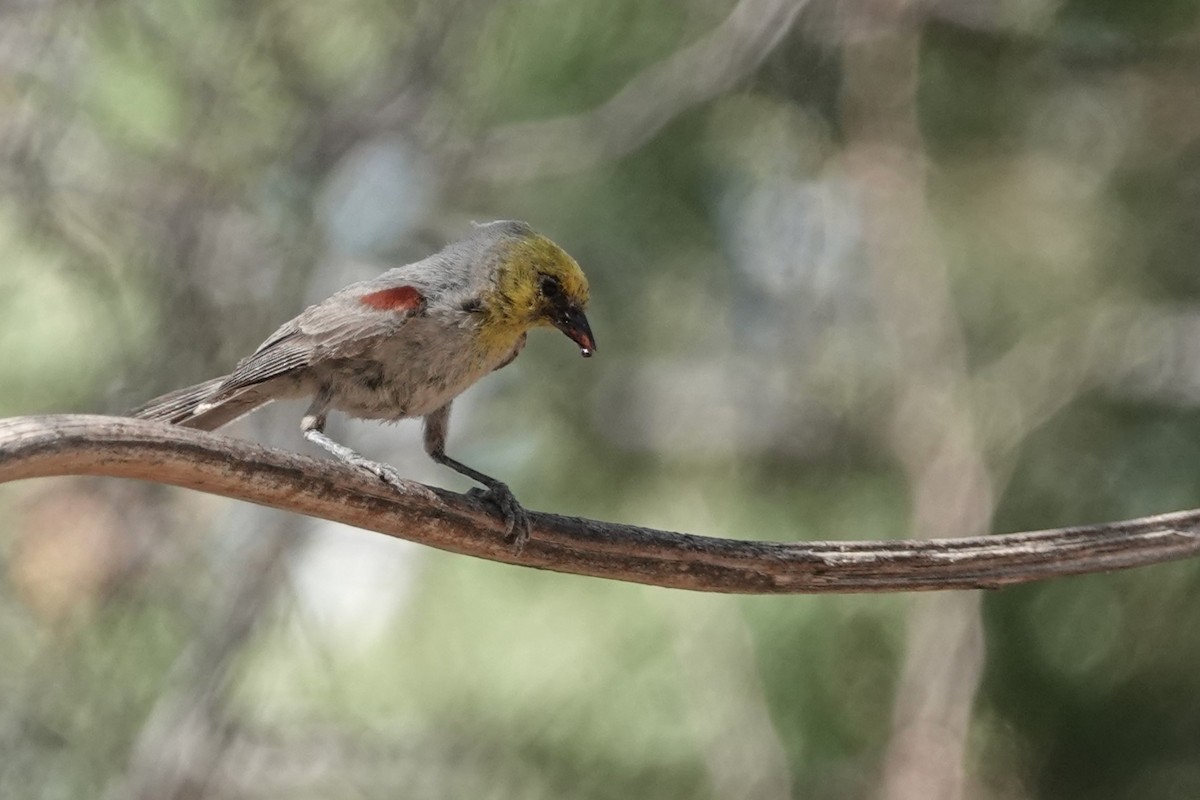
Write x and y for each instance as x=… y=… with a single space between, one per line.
x=42 y=446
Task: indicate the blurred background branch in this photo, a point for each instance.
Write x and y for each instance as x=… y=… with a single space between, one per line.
x=646 y=104
x=931 y=429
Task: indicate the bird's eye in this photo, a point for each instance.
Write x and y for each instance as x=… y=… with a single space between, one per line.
x=549 y=286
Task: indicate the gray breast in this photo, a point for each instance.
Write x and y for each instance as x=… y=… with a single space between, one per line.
x=417 y=371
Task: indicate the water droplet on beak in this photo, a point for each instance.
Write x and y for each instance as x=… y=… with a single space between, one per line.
x=586 y=352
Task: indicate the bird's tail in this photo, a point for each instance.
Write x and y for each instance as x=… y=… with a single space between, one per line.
x=188 y=406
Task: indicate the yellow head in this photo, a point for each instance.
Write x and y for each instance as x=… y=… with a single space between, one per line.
x=539 y=285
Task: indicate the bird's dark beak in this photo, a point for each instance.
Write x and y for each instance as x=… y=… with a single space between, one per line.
x=574 y=324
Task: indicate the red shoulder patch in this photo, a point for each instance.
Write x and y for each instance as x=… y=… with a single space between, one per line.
x=399 y=298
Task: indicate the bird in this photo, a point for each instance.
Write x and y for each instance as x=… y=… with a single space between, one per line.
x=405 y=344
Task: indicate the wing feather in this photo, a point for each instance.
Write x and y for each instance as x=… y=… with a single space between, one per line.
x=344 y=326
x=178 y=405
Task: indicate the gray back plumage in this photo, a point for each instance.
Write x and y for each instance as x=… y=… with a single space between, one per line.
x=458 y=272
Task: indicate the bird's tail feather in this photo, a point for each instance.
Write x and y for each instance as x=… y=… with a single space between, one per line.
x=184 y=406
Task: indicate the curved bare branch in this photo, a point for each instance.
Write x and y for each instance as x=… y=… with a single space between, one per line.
x=41 y=446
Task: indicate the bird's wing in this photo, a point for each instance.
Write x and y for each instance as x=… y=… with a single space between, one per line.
x=344 y=326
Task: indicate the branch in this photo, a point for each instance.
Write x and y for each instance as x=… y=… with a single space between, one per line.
x=41 y=446
x=646 y=104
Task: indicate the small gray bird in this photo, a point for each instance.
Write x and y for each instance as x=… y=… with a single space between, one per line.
x=405 y=344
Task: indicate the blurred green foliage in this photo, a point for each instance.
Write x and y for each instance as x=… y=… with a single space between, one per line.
x=177 y=178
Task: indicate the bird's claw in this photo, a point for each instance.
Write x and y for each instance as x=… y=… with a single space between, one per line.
x=392 y=478
x=516 y=518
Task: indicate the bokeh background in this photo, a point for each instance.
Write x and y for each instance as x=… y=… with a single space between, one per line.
x=860 y=269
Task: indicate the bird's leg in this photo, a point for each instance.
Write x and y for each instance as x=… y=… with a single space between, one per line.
x=516 y=518
x=313 y=427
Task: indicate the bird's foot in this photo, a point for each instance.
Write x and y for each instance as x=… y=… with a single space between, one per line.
x=392 y=478
x=516 y=518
